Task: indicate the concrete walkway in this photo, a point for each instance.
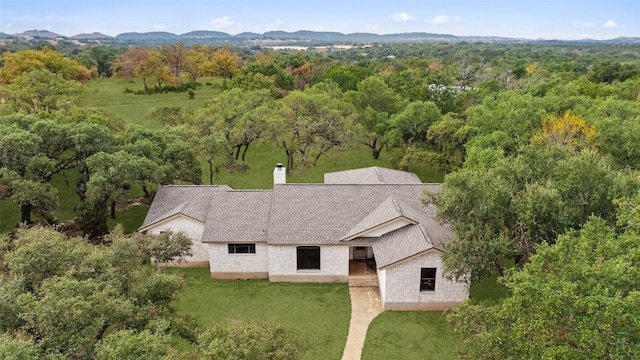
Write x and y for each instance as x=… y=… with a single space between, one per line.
x=365 y=306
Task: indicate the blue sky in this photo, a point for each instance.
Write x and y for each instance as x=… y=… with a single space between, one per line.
x=541 y=19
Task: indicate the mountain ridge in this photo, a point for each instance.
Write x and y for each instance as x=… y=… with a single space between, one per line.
x=306 y=35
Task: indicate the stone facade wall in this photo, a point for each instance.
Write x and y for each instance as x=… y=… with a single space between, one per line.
x=192 y=229
x=382 y=280
x=238 y=266
x=402 y=286
x=334 y=264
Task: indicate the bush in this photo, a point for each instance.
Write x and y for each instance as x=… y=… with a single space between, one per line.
x=255 y=340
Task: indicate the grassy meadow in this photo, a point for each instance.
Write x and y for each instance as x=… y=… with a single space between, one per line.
x=135 y=110
x=318 y=313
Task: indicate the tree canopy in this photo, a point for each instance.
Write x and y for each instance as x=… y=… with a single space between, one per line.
x=576 y=299
x=504 y=206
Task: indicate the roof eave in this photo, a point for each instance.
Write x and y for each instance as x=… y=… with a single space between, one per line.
x=389 y=222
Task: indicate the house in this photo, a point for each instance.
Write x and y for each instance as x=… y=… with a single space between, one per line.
x=366 y=222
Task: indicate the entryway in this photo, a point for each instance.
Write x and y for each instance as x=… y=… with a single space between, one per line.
x=362 y=267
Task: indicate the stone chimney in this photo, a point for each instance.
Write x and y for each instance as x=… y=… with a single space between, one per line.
x=279 y=174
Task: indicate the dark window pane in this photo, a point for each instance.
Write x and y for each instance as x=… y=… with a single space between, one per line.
x=242 y=248
x=428 y=273
x=428 y=279
x=308 y=257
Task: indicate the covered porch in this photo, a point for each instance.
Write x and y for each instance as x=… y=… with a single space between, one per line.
x=362 y=267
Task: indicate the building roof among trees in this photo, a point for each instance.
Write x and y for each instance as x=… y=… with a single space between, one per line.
x=346 y=213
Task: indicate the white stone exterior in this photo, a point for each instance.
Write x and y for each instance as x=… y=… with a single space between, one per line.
x=334 y=264
x=193 y=229
x=382 y=280
x=280 y=175
x=223 y=262
x=400 y=285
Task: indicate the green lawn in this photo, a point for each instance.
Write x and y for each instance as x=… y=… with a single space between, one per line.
x=422 y=335
x=108 y=93
x=318 y=313
x=262 y=158
x=409 y=335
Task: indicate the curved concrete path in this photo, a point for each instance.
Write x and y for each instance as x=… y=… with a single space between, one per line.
x=365 y=306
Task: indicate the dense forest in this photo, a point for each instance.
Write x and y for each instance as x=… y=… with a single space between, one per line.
x=539 y=144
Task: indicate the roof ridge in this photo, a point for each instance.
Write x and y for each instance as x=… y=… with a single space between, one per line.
x=375 y=168
x=396 y=204
x=426 y=235
x=355 y=184
x=232 y=190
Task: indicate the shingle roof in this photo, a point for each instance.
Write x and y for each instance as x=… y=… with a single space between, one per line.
x=323 y=214
x=388 y=211
x=188 y=200
x=318 y=214
x=401 y=244
x=238 y=216
x=371 y=175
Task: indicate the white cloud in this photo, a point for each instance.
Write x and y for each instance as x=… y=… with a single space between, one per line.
x=584 y=24
x=159 y=27
x=402 y=17
x=222 y=22
x=457 y=19
x=611 y=25
x=440 y=19
x=373 y=27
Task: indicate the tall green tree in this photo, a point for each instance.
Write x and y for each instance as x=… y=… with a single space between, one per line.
x=505 y=207
x=33 y=151
x=412 y=123
x=311 y=122
x=576 y=299
x=376 y=103
x=38 y=92
x=60 y=297
x=110 y=176
x=15 y=64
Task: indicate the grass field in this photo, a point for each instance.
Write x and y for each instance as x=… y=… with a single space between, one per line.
x=318 y=313
x=409 y=335
x=109 y=93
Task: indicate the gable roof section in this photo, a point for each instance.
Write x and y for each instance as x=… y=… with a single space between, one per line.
x=323 y=214
x=389 y=211
x=238 y=216
x=371 y=175
x=401 y=244
x=191 y=201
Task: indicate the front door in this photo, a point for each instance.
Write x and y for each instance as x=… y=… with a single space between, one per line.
x=360 y=253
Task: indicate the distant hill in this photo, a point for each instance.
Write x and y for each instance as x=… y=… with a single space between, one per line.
x=154 y=35
x=5 y=36
x=247 y=35
x=205 y=34
x=44 y=34
x=304 y=36
x=92 y=36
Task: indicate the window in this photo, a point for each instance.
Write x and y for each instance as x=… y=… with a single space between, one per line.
x=242 y=248
x=308 y=257
x=428 y=279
